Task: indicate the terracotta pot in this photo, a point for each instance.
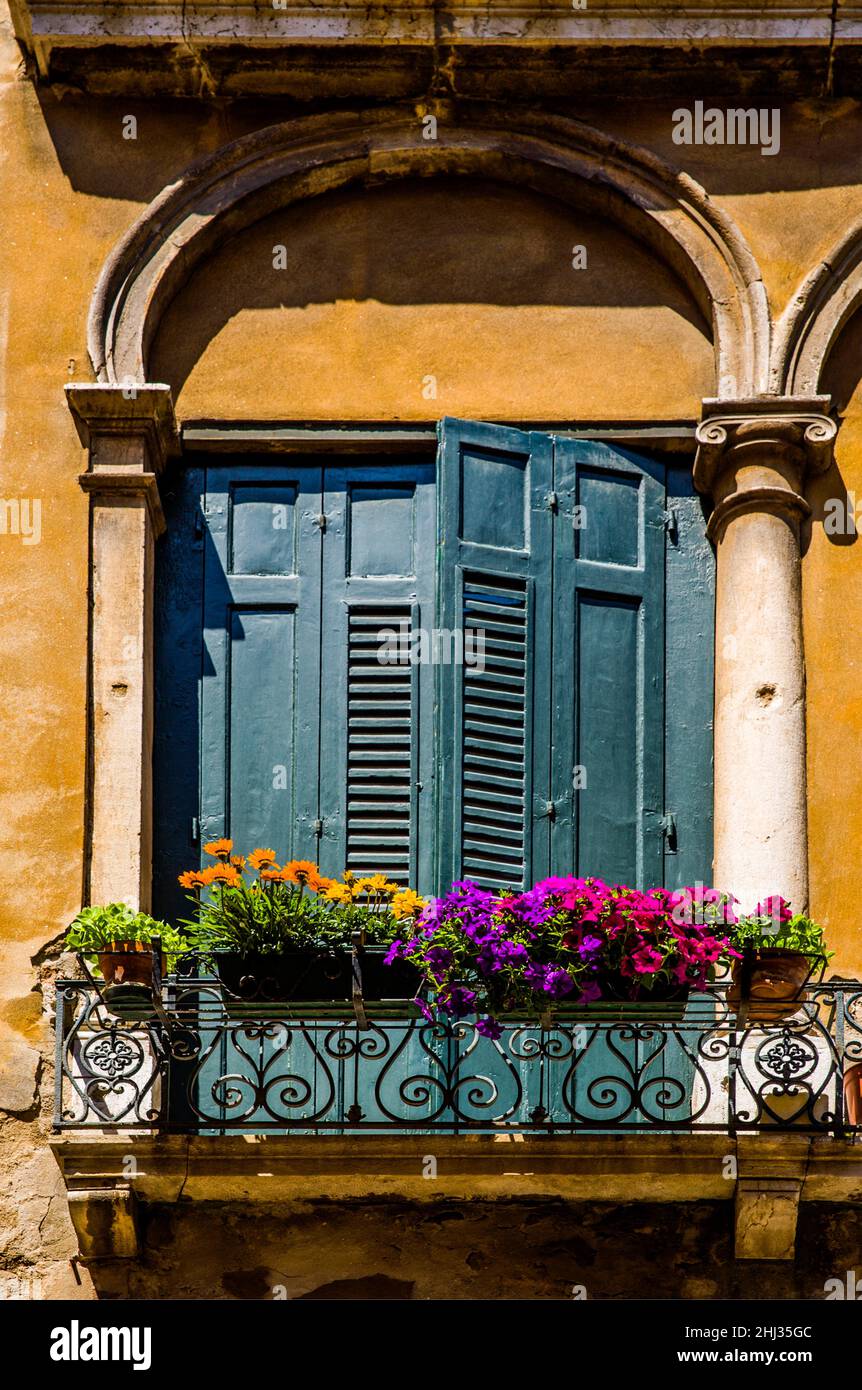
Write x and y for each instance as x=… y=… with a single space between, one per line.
x=128 y=963
x=853 y=1093
x=775 y=986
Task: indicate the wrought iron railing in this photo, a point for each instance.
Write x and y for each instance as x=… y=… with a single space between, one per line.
x=194 y=1059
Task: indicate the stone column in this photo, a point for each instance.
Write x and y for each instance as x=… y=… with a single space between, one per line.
x=753 y=458
x=129 y=432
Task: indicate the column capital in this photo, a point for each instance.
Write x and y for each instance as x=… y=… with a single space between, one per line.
x=754 y=455
x=130 y=432
x=106 y=412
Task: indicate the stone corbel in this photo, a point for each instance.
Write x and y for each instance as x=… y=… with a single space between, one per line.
x=105 y=1221
x=754 y=457
x=129 y=432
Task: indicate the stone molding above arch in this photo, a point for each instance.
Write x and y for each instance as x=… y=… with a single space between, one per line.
x=251 y=177
x=810 y=325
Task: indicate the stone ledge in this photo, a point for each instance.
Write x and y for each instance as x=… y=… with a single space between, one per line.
x=613 y=1168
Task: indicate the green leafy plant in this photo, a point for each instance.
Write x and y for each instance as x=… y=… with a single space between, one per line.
x=104 y=928
x=293 y=908
x=772 y=926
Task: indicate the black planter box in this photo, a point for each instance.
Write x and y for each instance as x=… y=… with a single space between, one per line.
x=305 y=976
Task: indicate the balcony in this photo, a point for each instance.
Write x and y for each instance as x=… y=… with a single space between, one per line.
x=194 y=1059
x=194 y=1093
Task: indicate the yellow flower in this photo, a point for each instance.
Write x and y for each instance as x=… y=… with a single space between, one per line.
x=407 y=904
x=379 y=883
x=191 y=879
x=219 y=849
x=339 y=893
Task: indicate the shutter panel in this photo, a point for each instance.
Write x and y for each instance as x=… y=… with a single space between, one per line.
x=609 y=662
x=376 y=780
x=260 y=702
x=494 y=733
x=380 y=708
x=494 y=584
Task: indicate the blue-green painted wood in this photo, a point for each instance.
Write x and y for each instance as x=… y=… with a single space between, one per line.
x=377 y=690
x=689 y=680
x=494 y=581
x=609 y=550
x=177 y=666
x=260 y=688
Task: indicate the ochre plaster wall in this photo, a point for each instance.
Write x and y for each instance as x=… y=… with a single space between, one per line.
x=379 y=293
x=472 y=285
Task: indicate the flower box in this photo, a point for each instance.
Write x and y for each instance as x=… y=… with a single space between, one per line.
x=311 y=976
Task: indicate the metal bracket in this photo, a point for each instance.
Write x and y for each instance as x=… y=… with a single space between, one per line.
x=357 y=996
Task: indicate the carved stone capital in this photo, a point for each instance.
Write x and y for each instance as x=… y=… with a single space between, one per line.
x=755 y=455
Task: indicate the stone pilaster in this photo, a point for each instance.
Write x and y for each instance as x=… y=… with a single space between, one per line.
x=753 y=460
x=129 y=432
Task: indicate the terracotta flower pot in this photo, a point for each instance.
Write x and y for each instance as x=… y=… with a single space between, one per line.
x=128 y=963
x=776 y=982
x=853 y=1093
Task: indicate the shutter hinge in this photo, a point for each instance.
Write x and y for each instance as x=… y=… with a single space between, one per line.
x=317 y=827
x=552 y=501
x=320 y=521
x=668 y=829
x=195 y=831
x=199 y=524
x=671 y=524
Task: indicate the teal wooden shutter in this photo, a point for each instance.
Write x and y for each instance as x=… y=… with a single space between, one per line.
x=609 y=663
x=376 y=769
x=260 y=688
x=494 y=585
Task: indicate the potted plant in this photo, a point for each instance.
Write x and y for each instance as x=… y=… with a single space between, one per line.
x=118 y=942
x=289 y=934
x=777 y=955
x=566 y=942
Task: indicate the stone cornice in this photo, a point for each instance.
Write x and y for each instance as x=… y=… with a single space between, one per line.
x=166 y=46
x=90 y=22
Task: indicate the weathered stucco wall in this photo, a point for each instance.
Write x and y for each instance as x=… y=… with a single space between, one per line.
x=472 y=1250
x=378 y=293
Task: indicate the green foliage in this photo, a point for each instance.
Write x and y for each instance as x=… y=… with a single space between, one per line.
x=271 y=918
x=762 y=932
x=97 y=929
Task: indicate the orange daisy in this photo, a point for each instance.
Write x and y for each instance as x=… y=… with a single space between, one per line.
x=261 y=858
x=302 y=871
x=219 y=849
x=220 y=873
x=191 y=879
x=272 y=875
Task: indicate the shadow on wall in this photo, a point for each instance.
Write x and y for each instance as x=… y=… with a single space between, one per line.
x=369 y=1249
x=357 y=296
x=828 y=494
